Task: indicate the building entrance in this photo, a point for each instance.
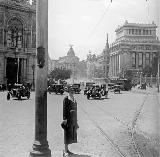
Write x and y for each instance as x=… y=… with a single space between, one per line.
x=13 y=70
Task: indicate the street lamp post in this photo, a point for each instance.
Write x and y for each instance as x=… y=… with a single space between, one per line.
x=140 y=78
x=158 y=74
x=17 y=75
x=73 y=71
x=33 y=69
x=40 y=146
x=151 y=80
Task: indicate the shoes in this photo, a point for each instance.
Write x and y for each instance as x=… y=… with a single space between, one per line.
x=65 y=154
x=69 y=152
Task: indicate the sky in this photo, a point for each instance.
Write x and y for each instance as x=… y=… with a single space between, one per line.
x=85 y=23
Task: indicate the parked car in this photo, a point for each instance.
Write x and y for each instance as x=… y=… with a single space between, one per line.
x=111 y=86
x=18 y=91
x=76 y=88
x=117 y=88
x=56 y=88
x=94 y=93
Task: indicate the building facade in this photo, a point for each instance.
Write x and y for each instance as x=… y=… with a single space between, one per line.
x=71 y=62
x=17 y=41
x=134 y=48
x=98 y=65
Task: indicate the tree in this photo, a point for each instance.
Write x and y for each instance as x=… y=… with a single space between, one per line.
x=128 y=74
x=153 y=69
x=62 y=74
x=147 y=70
x=155 y=65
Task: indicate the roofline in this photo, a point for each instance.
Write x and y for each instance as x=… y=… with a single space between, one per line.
x=138 y=25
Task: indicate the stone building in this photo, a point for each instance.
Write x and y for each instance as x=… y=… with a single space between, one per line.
x=71 y=62
x=134 y=48
x=98 y=65
x=17 y=41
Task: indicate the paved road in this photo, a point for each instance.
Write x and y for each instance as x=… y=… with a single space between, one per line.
x=123 y=125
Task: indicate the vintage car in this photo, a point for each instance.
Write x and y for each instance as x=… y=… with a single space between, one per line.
x=89 y=85
x=18 y=91
x=94 y=93
x=56 y=88
x=117 y=88
x=76 y=88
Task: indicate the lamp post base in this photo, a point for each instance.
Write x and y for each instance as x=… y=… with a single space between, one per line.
x=40 y=150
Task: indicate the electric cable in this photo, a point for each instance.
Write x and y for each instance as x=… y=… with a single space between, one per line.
x=99 y=21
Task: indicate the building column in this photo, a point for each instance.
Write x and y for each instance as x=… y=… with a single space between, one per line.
x=114 y=65
x=4 y=73
x=119 y=58
x=144 y=59
x=137 y=61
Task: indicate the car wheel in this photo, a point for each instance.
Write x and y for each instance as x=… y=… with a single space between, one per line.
x=88 y=96
x=19 y=96
x=8 y=96
x=28 y=96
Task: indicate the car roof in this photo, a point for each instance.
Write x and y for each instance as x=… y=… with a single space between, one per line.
x=117 y=85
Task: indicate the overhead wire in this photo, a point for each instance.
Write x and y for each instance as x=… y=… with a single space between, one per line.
x=99 y=21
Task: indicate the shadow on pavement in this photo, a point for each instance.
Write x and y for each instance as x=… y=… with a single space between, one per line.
x=78 y=155
x=148 y=148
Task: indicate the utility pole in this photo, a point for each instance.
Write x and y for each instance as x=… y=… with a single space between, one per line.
x=40 y=146
x=158 y=73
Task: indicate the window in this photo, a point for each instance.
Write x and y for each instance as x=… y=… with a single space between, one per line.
x=1 y=37
x=144 y=32
x=134 y=59
x=140 y=59
x=147 y=58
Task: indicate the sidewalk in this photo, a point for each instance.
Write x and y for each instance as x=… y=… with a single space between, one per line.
x=148 y=90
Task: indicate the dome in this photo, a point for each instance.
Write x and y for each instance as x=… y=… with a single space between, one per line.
x=71 y=52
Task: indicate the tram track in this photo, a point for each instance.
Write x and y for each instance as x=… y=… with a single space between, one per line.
x=131 y=129
x=105 y=135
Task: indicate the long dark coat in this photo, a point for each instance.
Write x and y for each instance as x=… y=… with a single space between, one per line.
x=70 y=114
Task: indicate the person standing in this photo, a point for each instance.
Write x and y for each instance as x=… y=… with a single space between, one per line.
x=69 y=123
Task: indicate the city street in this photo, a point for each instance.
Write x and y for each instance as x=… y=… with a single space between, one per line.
x=124 y=125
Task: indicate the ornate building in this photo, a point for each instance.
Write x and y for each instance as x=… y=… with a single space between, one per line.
x=98 y=66
x=17 y=41
x=71 y=62
x=134 y=48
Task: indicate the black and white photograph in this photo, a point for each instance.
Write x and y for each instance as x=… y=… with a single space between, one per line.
x=79 y=78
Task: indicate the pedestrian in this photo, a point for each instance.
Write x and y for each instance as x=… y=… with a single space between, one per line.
x=69 y=123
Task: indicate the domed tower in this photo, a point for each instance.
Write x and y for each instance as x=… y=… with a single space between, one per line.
x=71 y=52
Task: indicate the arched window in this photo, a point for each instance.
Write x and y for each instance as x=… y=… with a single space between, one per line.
x=15 y=33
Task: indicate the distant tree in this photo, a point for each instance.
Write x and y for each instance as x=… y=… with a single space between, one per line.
x=147 y=70
x=155 y=65
x=128 y=74
x=62 y=74
x=152 y=70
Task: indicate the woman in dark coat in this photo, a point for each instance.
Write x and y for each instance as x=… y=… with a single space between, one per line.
x=69 y=123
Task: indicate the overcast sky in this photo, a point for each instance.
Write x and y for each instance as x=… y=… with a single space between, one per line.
x=85 y=23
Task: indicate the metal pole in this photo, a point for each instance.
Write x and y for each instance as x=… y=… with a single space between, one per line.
x=151 y=80
x=17 y=68
x=40 y=146
x=158 y=74
x=140 y=78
